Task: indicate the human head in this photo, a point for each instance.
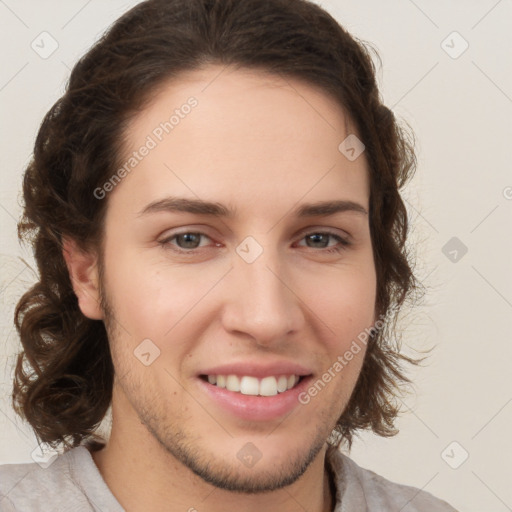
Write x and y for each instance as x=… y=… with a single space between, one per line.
x=80 y=146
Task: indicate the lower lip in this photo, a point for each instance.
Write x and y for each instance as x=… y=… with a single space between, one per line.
x=255 y=408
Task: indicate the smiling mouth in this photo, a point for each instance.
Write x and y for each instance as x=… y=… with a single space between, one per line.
x=248 y=385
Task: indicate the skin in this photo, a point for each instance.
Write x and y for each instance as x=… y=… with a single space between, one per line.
x=262 y=145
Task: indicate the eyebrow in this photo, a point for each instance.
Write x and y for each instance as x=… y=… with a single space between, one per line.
x=214 y=209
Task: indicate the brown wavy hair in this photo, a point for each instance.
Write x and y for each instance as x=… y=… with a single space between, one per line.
x=64 y=374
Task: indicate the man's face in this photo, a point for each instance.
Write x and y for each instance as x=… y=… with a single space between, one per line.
x=258 y=300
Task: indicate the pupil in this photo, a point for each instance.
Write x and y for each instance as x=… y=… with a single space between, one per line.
x=316 y=238
x=189 y=239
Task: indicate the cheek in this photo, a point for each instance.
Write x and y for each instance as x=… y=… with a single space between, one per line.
x=345 y=304
x=151 y=298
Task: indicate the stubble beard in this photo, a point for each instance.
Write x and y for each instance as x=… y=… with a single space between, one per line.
x=191 y=452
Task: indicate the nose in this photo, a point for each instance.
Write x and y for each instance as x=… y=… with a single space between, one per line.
x=261 y=301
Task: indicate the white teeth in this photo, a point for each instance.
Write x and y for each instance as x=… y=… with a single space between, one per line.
x=233 y=383
x=268 y=386
x=282 y=384
x=221 y=381
x=247 y=385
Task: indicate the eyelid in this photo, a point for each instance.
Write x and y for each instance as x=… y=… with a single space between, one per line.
x=344 y=239
x=326 y=230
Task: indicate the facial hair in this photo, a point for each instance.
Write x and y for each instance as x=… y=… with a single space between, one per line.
x=189 y=449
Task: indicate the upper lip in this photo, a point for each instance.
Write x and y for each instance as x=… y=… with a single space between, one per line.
x=259 y=370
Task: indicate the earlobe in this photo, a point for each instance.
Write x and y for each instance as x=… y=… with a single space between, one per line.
x=83 y=273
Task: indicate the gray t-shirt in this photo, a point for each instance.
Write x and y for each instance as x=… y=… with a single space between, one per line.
x=73 y=483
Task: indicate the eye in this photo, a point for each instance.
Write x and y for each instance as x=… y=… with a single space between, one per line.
x=321 y=239
x=189 y=242
x=185 y=242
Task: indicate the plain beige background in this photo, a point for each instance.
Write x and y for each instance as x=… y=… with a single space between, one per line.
x=454 y=434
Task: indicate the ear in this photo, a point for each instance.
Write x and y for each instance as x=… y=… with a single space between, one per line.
x=84 y=276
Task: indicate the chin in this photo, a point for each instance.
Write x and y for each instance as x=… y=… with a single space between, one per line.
x=255 y=475
x=240 y=465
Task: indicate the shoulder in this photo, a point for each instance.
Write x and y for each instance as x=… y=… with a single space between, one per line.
x=35 y=487
x=361 y=489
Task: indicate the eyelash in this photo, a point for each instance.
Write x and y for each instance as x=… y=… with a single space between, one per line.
x=343 y=243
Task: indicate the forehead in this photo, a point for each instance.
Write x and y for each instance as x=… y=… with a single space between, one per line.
x=237 y=135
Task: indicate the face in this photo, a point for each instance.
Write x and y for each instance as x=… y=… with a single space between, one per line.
x=222 y=317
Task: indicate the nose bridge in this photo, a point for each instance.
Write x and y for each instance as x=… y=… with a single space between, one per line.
x=261 y=303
